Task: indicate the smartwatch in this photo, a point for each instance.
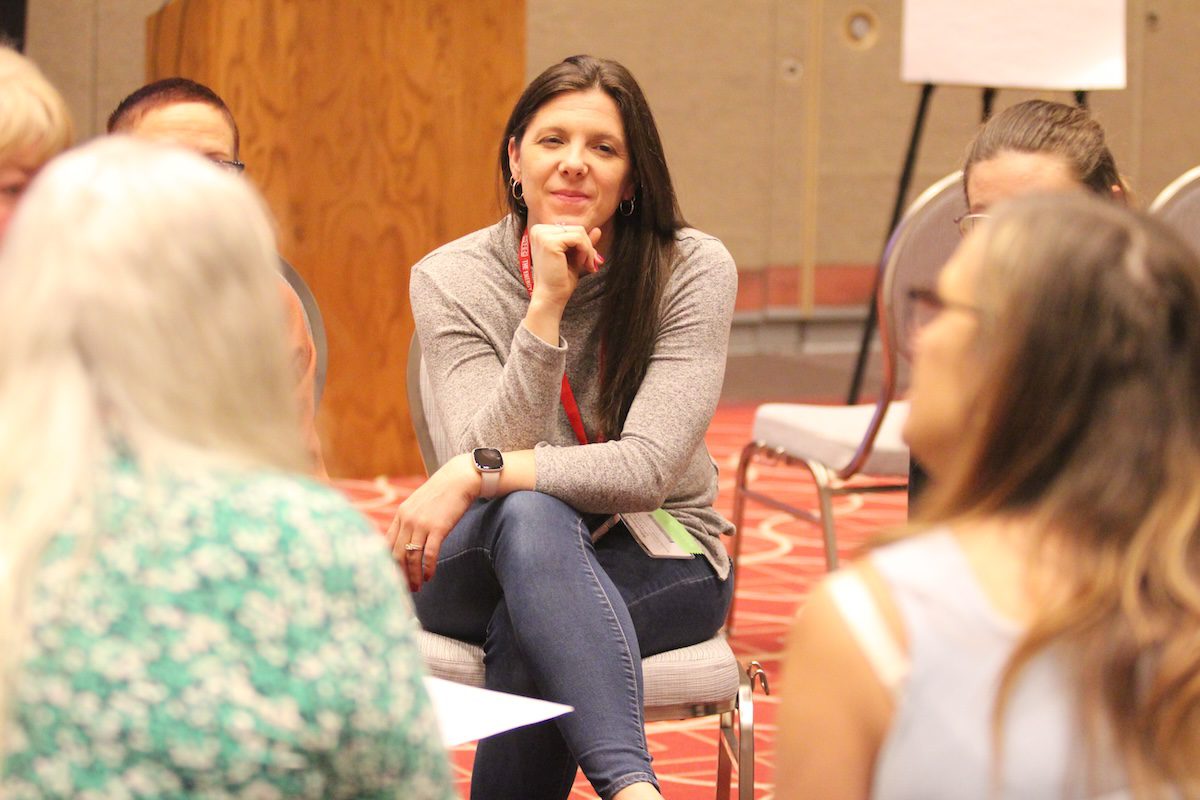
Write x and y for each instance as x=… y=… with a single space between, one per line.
x=489 y=463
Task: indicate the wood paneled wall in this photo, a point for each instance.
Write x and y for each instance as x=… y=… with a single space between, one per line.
x=372 y=129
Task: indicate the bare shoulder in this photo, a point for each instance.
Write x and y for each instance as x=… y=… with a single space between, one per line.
x=835 y=710
x=883 y=600
x=823 y=619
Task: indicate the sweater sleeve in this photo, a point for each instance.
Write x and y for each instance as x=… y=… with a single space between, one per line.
x=674 y=405
x=465 y=322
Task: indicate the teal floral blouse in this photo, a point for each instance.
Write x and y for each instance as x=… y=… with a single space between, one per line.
x=226 y=634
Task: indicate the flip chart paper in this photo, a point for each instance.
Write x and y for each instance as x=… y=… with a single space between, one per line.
x=466 y=713
x=1030 y=44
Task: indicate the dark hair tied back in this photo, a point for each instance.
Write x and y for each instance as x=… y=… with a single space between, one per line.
x=1043 y=126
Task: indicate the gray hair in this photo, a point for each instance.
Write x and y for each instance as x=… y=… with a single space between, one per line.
x=140 y=318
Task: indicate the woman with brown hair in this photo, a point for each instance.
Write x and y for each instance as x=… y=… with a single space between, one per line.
x=576 y=350
x=1038 y=145
x=1034 y=146
x=1037 y=633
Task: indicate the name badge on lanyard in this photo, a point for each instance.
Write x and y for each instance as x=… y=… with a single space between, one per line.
x=566 y=396
x=659 y=534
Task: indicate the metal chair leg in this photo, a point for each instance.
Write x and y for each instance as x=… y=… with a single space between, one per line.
x=745 y=712
x=746 y=743
x=724 y=761
x=738 y=745
x=823 y=478
x=739 y=513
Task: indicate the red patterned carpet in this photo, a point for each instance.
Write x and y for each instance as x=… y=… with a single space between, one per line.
x=781 y=558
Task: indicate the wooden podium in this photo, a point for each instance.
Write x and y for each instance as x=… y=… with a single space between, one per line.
x=373 y=130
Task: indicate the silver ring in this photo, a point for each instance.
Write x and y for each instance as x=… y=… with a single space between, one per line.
x=412 y=548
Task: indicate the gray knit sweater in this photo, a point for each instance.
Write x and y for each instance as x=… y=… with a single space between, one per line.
x=498 y=385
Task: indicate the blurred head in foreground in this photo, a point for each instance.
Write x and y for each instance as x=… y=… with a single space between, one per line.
x=139 y=319
x=34 y=127
x=138 y=288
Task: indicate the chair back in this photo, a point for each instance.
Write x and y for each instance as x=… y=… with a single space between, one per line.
x=1178 y=205
x=917 y=250
x=315 y=322
x=422 y=410
x=920 y=246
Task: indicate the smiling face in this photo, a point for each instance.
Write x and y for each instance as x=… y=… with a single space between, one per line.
x=946 y=373
x=573 y=162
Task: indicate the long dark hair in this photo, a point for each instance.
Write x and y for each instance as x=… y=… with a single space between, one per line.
x=643 y=246
x=1044 y=126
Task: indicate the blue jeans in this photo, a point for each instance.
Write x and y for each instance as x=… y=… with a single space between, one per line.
x=568 y=621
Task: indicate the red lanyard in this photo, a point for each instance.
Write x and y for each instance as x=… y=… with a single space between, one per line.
x=566 y=395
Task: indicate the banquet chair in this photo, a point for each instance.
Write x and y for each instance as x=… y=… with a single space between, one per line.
x=315 y=322
x=702 y=680
x=1178 y=205
x=837 y=443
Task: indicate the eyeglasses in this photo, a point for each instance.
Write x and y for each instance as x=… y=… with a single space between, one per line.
x=232 y=166
x=969 y=222
x=922 y=306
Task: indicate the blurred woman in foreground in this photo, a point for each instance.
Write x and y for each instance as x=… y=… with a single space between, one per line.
x=180 y=613
x=1038 y=635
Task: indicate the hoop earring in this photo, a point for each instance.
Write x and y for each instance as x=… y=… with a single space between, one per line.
x=517 y=190
x=626 y=210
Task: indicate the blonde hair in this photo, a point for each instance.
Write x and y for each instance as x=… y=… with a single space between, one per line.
x=1090 y=429
x=139 y=319
x=34 y=121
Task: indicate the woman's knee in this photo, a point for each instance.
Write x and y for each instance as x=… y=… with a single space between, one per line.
x=532 y=505
x=535 y=511
x=535 y=524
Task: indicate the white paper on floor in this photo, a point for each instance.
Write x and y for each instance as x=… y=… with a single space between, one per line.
x=466 y=713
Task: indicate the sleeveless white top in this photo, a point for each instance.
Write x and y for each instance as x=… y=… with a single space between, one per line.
x=940 y=742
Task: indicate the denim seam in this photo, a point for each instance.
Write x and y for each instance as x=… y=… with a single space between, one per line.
x=627 y=662
x=630 y=779
x=461 y=553
x=688 y=582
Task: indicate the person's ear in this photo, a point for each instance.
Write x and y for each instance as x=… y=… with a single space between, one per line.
x=514 y=159
x=1119 y=194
